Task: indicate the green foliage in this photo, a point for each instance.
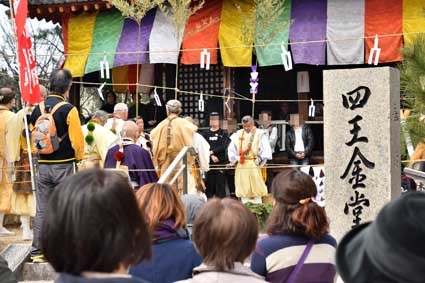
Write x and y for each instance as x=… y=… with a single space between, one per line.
x=264 y=16
x=134 y=9
x=412 y=80
x=261 y=211
x=179 y=10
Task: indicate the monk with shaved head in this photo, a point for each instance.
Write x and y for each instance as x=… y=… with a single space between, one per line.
x=129 y=156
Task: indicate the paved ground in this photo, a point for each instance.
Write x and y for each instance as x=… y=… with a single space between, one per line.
x=4 y=241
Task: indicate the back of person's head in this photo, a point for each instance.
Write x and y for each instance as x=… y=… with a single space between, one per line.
x=129 y=130
x=100 y=116
x=174 y=106
x=159 y=202
x=224 y=232
x=192 y=205
x=390 y=249
x=60 y=81
x=7 y=94
x=295 y=211
x=92 y=223
x=120 y=107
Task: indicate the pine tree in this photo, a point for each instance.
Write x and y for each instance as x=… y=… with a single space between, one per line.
x=412 y=79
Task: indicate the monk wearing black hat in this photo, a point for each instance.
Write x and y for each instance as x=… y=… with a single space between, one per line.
x=218 y=140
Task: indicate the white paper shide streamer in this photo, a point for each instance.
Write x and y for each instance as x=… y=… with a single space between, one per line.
x=205 y=59
x=286 y=58
x=104 y=68
x=375 y=51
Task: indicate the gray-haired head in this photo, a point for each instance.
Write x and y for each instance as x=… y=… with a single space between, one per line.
x=246 y=119
x=129 y=130
x=60 y=82
x=174 y=106
x=101 y=116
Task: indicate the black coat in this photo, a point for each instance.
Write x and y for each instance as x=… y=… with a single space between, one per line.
x=308 y=140
x=218 y=141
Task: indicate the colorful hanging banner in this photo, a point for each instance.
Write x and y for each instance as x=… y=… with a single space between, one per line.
x=80 y=37
x=146 y=78
x=134 y=40
x=275 y=31
x=202 y=32
x=132 y=77
x=28 y=79
x=413 y=19
x=308 y=23
x=163 y=40
x=345 y=31
x=385 y=19
x=236 y=31
x=106 y=34
x=120 y=79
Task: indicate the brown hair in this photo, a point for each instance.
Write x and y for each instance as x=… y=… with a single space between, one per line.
x=92 y=223
x=224 y=232
x=7 y=94
x=160 y=202
x=289 y=215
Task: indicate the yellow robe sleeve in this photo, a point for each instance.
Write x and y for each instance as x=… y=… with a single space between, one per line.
x=104 y=139
x=75 y=133
x=13 y=136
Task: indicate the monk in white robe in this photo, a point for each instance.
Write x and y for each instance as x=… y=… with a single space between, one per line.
x=120 y=116
x=97 y=141
x=200 y=164
x=249 y=149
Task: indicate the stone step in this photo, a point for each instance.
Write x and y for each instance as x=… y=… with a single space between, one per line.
x=16 y=255
x=37 y=272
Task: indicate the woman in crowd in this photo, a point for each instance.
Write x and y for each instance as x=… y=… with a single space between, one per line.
x=111 y=100
x=298 y=247
x=225 y=233
x=173 y=254
x=93 y=230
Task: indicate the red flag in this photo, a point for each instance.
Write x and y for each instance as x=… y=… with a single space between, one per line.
x=28 y=79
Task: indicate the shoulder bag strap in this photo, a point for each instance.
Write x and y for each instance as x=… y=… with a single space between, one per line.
x=293 y=276
x=56 y=107
x=41 y=107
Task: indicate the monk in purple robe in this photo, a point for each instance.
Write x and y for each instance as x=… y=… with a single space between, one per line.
x=130 y=157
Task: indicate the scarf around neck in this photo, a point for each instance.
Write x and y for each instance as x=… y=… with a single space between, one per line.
x=165 y=231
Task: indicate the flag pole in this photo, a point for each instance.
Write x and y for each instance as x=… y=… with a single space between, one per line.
x=25 y=109
x=27 y=137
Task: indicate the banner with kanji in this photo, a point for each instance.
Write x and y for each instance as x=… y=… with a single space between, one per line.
x=28 y=79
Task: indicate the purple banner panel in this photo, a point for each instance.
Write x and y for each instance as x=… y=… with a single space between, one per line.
x=130 y=43
x=308 y=23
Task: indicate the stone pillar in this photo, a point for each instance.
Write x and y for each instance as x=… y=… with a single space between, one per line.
x=362 y=144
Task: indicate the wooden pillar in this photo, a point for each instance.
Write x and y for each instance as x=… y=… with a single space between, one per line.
x=303 y=106
x=228 y=115
x=303 y=90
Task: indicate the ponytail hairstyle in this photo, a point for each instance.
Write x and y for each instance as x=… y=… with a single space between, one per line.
x=295 y=212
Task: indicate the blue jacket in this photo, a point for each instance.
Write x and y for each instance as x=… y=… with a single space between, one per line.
x=171 y=261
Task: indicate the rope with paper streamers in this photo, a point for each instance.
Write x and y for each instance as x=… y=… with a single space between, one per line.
x=227 y=47
x=238 y=97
